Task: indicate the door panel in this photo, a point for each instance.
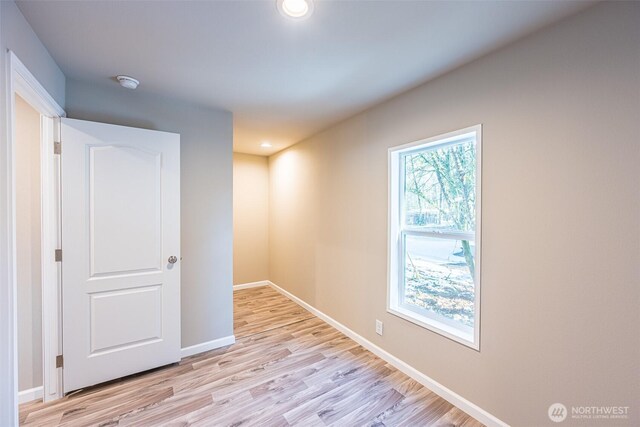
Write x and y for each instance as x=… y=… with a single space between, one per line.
x=125 y=222
x=108 y=332
x=120 y=225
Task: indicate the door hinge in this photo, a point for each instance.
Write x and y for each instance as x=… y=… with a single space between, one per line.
x=57 y=148
x=59 y=361
x=58 y=255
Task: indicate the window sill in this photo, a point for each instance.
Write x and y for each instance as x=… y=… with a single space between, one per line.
x=440 y=328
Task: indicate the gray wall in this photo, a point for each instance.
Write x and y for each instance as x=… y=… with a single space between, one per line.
x=17 y=35
x=206 y=194
x=561 y=228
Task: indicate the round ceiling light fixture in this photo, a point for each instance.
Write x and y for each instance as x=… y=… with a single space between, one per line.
x=295 y=9
x=128 y=82
x=266 y=144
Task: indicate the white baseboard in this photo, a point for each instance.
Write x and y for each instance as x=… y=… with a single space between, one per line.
x=30 y=395
x=206 y=346
x=452 y=397
x=251 y=285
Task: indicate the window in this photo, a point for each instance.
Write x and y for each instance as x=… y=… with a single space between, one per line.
x=434 y=234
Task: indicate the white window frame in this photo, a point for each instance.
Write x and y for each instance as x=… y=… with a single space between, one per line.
x=397 y=232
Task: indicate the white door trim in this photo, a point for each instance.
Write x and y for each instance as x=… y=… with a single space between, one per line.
x=22 y=82
x=27 y=86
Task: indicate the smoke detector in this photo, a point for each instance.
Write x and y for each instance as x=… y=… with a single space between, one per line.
x=128 y=82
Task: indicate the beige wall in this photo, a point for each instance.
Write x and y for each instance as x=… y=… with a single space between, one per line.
x=561 y=229
x=250 y=218
x=28 y=246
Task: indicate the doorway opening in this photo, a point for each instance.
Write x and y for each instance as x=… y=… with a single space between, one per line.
x=32 y=324
x=28 y=176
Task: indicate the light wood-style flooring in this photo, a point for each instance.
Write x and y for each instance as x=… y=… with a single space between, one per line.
x=287 y=368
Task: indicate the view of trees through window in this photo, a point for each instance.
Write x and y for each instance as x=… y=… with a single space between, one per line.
x=439 y=202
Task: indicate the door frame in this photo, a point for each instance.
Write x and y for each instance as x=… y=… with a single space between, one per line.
x=20 y=81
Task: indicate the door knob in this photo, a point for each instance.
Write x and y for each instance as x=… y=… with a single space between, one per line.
x=173 y=259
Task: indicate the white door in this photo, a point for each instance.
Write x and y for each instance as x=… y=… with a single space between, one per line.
x=120 y=244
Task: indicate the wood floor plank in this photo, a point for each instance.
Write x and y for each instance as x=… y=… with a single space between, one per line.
x=287 y=368
x=261 y=309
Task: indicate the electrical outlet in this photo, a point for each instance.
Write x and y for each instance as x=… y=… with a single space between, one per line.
x=379 y=327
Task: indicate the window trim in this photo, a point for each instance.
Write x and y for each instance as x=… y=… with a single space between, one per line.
x=395 y=274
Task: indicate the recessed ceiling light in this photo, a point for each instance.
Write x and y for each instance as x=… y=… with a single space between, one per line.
x=296 y=9
x=128 y=82
x=266 y=144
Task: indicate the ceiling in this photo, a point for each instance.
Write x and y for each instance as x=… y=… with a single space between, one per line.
x=284 y=80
